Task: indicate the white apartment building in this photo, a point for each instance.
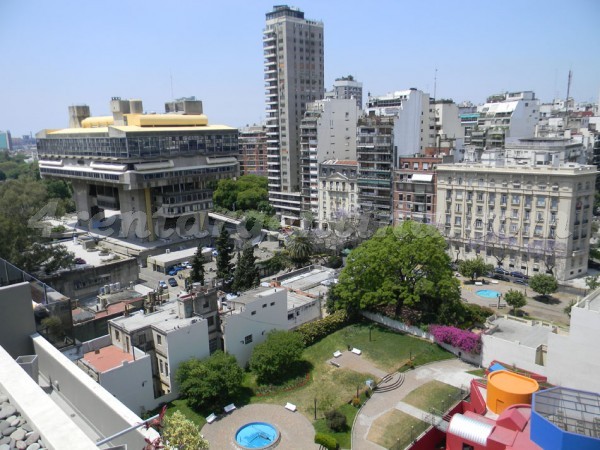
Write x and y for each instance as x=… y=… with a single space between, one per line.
x=348 y=87
x=338 y=191
x=528 y=218
x=327 y=132
x=294 y=77
x=449 y=132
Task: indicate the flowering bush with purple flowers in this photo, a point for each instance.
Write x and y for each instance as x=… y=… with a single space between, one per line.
x=462 y=339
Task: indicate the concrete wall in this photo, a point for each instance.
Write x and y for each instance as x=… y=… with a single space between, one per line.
x=573 y=361
x=471 y=358
x=56 y=428
x=494 y=348
x=304 y=314
x=16 y=319
x=107 y=414
x=398 y=326
x=131 y=383
x=237 y=326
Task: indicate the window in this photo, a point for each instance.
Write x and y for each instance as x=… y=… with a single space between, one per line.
x=290 y=316
x=210 y=321
x=160 y=362
x=541 y=201
x=159 y=339
x=117 y=335
x=272 y=303
x=457 y=221
x=166 y=368
x=248 y=339
x=253 y=313
x=264 y=305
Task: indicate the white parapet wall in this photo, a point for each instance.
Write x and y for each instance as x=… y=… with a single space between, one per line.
x=57 y=430
x=101 y=409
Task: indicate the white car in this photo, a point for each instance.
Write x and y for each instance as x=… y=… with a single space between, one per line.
x=163 y=284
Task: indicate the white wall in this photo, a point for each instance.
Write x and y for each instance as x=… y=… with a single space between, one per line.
x=243 y=323
x=574 y=361
x=304 y=314
x=131 y=383
x=105 y=412
x=16 y=320
x=509 y=352
x=407 y=126
x=523 y=120
x=336 y=130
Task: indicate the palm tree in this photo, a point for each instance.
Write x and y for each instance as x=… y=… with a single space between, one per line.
x=299 y=247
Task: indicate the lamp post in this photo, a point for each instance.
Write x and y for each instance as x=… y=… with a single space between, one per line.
x=315 y=408
x=370 y=328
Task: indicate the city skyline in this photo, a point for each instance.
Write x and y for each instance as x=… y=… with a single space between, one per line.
x=57 y=55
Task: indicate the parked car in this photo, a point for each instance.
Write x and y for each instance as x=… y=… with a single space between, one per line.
x=80 y=261
x=163 y=284
x=520 y=281
x=499 y=276
x=174 y=270
x=501 y=270
x=517 y=274
x=173 y=282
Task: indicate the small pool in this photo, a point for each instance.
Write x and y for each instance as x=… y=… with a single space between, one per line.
x=488 y=293
x=257 y=435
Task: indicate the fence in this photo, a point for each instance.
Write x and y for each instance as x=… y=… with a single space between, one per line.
x=398 y=326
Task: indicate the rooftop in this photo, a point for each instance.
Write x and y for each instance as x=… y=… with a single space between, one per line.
x=564 y=169
x=591 y=302
x=307 y=278
x=526 y=333
x=165 y=320
x=107 y=358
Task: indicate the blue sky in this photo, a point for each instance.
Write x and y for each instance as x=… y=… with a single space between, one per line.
x=58 y=53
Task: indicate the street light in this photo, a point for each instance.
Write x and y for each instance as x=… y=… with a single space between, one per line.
x=315 y=408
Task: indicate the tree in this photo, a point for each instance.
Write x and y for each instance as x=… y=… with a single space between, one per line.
x=474 y=268
x=397 y=267
x=336 y=421
x=515 y=299
x=592 y=282
x=277 y=357
x=180 y=433
x=224 y=249
x=543 y=284
x=248 y=192
x=246 y=273
x=197 y=273
x=210 y=383
x=299 y=247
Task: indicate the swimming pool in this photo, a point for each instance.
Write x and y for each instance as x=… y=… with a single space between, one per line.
x=257 y=435
x=488 y=293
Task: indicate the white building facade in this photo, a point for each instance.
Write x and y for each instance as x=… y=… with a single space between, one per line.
x=337 y=191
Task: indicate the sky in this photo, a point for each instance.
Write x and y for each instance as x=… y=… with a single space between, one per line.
x=59 y=53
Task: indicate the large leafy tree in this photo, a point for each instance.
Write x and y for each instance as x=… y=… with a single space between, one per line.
x=397 y=267
x=300 y=247
x=276 y=359
x=248 y=192
x=180 y=433
x=515 y=299
x=197 y=273
x=224 y=248
x=210 y=383
x=543 y=284
x=474 y=268
x=246 y=273
x=24 y=203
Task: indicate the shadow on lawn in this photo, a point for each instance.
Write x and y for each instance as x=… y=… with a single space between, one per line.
x=547 y=299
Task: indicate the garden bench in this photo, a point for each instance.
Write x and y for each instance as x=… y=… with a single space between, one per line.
x=290 y=406
x=333 y=363
x=356 y=351
x=337 y=354
x=229 y=408
x=211 y=418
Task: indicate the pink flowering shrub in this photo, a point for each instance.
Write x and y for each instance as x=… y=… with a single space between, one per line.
x=462 y=339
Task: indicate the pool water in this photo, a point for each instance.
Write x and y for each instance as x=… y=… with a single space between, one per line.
x=488 y=293
x=257 y=435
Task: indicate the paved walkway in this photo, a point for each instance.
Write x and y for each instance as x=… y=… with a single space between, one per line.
x=296 y=430
x=451 y=371
x=358 y=363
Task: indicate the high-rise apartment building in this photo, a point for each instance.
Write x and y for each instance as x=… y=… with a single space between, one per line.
x=328 y=131
x=153 y=168
x=348 y=87
x=253 y=150
x=294 y=77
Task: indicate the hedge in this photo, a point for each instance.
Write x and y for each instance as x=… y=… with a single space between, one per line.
x=315 y=331
x=329 y=442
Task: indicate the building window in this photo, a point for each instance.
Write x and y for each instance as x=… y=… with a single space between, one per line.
x=159 y=339
x=248 y=339
x=253 y=313
x=210 y=321
x=160 y=362
x=117 y=335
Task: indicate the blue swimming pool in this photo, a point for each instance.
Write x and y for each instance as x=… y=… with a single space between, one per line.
x=257 y=435
x=488 y=293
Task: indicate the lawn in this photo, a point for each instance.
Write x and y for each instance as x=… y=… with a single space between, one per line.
x=396 y=429
x=343 y=438
x=434 y=394
x=477 y=372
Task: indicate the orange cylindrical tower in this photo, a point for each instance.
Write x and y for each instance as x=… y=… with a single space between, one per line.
x=506 y=388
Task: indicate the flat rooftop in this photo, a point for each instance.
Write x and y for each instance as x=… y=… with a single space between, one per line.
x=295 y=300
x=591 y=302
x=166 y=258
x=526 y=334
x=92 y=258
x=307 y=280
x=165 y=319
x=107 y=358
x=252 y=295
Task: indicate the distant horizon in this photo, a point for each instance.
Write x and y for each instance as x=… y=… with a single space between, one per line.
x=57 y=55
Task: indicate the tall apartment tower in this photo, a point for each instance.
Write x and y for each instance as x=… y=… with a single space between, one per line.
x=294 y=77
x=348 y=87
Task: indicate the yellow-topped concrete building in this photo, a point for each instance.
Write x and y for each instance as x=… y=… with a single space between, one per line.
x=149 y=167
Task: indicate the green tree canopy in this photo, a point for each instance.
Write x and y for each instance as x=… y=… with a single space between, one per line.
x=515 y=299
x=210 y=383
x=276 y=359
x=402 y=266
x=246 y=273
x=474 y=268
x=197 y=273
x=180 y=433
x=543 y=284
x=246 y=193
x=300 y=248
x=224 y=249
